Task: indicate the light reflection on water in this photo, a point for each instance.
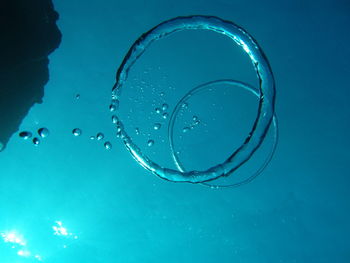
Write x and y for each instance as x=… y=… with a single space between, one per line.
x=16 y=241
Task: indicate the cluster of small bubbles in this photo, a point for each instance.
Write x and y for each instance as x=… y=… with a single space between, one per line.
x=114 y=97
x=157 y=126
x=36 y=141
x=196 y=122
x=76 y=132
x=100 y=136
x=108 y=145
x=162 y=110
x=43 y=132
x=137 y=131
x=150 y=143
x=25 y=135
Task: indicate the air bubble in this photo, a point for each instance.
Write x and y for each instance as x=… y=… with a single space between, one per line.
x=165 y=107
x=186 y=129
x=114 y=119
x=100 y=136
x=184 y=105
x=150 y=143
x=43 y=132
x=158 y=110
x=157 y=126
x=92 y=138
x=137 y=131
x=36 y=141
x=77 y=96
x=108 y=145
x=77 y=132
x=25 y=135
x=165 y=115
x=112 y=107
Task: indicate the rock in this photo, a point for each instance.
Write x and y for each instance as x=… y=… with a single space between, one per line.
x=28 y=35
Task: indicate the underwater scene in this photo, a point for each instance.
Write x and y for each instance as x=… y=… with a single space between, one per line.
x=174 y=131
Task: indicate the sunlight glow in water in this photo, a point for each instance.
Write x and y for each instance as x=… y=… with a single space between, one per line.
x=23 y=253
x=13 y=237
x=59 y=230
x=17 y=242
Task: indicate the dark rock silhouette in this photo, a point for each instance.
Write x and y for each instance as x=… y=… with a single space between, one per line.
x=29 y=34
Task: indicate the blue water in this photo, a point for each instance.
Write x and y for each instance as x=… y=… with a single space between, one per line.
x=71 y=200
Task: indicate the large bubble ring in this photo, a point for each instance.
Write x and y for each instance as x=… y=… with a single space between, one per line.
x=209 y=86
x=266 y=95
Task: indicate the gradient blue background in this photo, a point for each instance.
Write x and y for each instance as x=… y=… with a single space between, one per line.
x=297 y=211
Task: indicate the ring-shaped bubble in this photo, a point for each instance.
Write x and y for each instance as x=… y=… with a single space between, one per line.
x=266 y=95
x=212 y=85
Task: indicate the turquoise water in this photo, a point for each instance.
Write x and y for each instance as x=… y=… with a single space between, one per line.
x=69 y=199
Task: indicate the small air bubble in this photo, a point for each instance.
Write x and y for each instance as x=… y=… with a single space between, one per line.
x=25 y=135
x=92 y=137
x=165 y=107
x=36 y=141
x=150 y=143
x=77 y=96
x=185 y=129
x=137 y=131
x=194 y=118
x=112 y=107
x=43 y=132
x=76 y=132
x=157 y=126
x=100 y=136
x=114 y=119
x=165 y=115
x=158 y=110
x=108 y=145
